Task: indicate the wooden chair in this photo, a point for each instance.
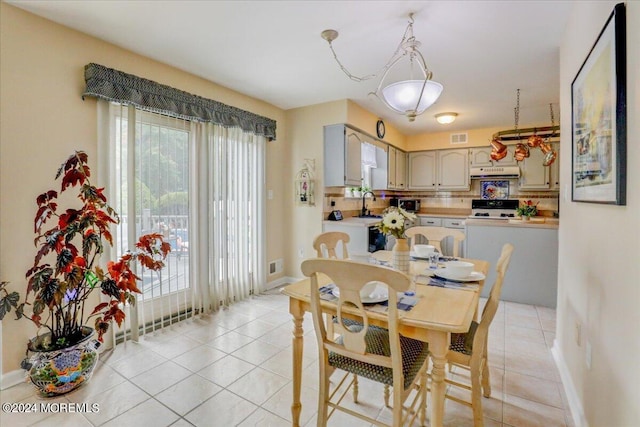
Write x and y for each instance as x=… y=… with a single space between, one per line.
x=435 y=235
x=382 y=355
x=470 y=350
x=329 y=241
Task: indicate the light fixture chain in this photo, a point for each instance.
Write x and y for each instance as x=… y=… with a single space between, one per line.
x=517 y=109
x=553 y=121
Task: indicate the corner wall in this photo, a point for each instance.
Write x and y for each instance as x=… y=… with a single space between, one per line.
x=598 y=267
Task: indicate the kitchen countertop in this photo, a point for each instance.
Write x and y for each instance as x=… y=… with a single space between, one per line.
x=538 y=222
x=441 y=215
x=356 y=222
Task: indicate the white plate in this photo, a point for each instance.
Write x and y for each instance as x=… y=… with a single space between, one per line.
x=475 y=276
x=380 y=294
x=414 y=254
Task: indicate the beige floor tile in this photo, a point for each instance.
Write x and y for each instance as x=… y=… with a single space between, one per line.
x=122 y=351
x=257 y=352
x=199 y=357
x=258 y=385
x=230 y=342
x=206 y=333
x=142 y=361
x=30 y=410
x=189 y=393
x=17 y=393
x=277 y=318
x=150 y=412
x=226 y=370
x=225 y=409
x=174 y=346
x=255 y=328
x=532 y=388
x=63 y=420
x=548 y=324
x=159 y=378
x=261 y=417
x=116 y=401
x=517 y=308
x=526 y=413
x=280 y=403
x=549 y=338
x=514 y=333
x=182 y=423
x=231 y=321
x=280 y=363
x=104 y=377
x=281 y=336
x=533 y=365
x=524 y=320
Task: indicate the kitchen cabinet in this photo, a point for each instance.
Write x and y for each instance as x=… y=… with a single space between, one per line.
x=422 y=170
x=481 y=157
x=554 y=169
x=533 y=174
x=439 y=170
x=342 y=156
x=397 y=169
x=447 y=243
x=453 y=169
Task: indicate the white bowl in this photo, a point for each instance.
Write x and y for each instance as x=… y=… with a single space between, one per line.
x=459 y=269
x=368 y=289
x=424 y=250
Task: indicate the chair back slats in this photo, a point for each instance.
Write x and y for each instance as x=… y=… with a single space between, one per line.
x=491 y=307
x=350 y=277
x=326 y=244
x=435 y=236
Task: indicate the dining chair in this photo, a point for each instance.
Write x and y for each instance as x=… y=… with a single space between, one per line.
x=365 y=350
x=435 y=236
x=326 y=244
x=469 y=350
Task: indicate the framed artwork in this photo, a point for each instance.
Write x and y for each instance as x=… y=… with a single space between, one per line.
x=599 y=118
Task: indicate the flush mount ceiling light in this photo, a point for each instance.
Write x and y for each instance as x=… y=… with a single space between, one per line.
x=409 y=97
x=446 y=118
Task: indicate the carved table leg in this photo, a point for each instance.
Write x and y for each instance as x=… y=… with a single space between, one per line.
x=438 y=346
x=297 y=312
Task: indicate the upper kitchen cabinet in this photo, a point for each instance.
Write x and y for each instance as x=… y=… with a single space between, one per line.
x=439 y=170
x=453 y=170
x=397 y=169
x=533 y=174
x=481 y=157
x=342 y=156
x=422 y=170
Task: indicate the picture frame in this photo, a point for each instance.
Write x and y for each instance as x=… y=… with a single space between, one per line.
x=599 y=118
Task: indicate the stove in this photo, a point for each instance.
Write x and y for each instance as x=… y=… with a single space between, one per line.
x=502 y=209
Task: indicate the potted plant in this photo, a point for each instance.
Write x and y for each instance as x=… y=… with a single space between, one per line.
x=527 y=210
x=66 y=271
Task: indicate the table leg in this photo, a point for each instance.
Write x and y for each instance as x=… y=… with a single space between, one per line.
x=297 y=312
x=438 y=346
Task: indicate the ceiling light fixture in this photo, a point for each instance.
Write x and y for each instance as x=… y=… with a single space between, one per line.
x=446 y=118
x=409 y=97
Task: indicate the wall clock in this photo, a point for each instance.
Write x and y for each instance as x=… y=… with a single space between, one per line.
x=380 y=129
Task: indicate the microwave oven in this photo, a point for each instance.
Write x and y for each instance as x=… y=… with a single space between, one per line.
x=409 y=205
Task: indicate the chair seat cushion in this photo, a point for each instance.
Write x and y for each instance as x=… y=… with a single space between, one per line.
x=463 y=343
x=414 y=353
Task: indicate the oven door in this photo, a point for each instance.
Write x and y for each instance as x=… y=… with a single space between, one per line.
x=377 y=239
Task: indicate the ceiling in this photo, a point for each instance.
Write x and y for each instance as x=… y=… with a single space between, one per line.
x=481 y=51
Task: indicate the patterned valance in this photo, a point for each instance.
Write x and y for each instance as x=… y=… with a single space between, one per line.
x=117 y=86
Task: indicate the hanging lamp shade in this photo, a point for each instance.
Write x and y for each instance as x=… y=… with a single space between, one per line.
x=411 y=97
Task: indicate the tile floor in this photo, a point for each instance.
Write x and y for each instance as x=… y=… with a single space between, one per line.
x=232 y=368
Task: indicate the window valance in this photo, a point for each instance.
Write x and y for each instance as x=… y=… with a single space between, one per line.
x=117 y=86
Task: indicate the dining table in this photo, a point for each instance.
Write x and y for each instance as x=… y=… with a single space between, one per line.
x=438 y=312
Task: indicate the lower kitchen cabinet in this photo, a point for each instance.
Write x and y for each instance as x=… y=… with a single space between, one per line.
x=532 y=276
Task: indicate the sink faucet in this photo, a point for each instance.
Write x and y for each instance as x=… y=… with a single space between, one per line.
x=364 y=208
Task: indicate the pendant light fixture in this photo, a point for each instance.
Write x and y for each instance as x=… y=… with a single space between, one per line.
x=410 y=97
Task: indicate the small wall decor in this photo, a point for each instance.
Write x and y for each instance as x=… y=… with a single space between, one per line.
x=493 y=190
x=599 y=122
x=305 y=184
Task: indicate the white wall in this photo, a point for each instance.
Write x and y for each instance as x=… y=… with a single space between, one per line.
x=599 y=251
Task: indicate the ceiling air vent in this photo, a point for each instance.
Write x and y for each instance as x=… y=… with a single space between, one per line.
x=458 y=138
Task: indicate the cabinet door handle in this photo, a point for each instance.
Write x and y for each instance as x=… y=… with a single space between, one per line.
x=455 y=223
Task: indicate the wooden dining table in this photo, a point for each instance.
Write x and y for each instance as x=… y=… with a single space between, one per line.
x=439 y=312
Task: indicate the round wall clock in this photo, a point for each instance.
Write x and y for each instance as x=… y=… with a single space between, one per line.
x=380 y=129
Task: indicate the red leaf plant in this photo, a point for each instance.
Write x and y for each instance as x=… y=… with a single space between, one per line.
x=66 y=267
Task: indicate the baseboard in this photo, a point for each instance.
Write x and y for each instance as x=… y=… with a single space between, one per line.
x=279 y=282
x=575 y=405
x=12 y=378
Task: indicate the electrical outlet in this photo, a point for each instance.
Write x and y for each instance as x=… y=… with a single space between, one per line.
x=578 y=334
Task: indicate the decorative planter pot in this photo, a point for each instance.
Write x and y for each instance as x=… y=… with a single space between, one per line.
x=400 y=259
x=56 y=372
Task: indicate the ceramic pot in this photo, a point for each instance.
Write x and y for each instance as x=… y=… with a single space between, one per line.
x=56 y=372
x=400 y=259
